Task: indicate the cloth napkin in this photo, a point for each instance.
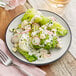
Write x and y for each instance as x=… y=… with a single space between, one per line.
x=12 y=70
x=11 y=4
x=70 y=16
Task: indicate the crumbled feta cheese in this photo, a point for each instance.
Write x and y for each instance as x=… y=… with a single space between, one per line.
x=42 y=36
x=58 y=39
x=40 y=29
x=28 y=27
x=25 y=36
x=14 y=49
x=54 y=30
x=18 y=30
x=24 y=23
x=34 y=33
x=47 y=41
x=44 y=26
x=15 y=45
x=30 y=53
x=10 y=30
x=50 y=25
x=59 y=46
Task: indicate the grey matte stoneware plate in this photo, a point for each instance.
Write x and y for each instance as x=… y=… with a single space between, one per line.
x=55 y=54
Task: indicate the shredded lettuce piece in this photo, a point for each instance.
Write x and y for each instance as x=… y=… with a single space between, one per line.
x=48 y=46
x=44 y=20
x=54 y=42
x=29 y=14
x=36 y=47
x=35 y=27
x=37 y=19
x=19 y=26
x=60 y=30
x=42 y=41
x=24 y=53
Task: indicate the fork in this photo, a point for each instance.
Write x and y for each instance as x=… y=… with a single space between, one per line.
x=6 y=60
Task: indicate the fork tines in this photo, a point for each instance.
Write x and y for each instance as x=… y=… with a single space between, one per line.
x=3 y=57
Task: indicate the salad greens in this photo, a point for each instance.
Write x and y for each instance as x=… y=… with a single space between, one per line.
x=61 y=31
x=36 y=35
x=30 y=58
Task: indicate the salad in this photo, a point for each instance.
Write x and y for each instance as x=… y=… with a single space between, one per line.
x=36 y=35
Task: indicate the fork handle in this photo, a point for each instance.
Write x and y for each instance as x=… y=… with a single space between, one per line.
x=23 y=71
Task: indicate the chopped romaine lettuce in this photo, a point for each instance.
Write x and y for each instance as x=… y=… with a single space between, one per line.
x=37 y=19
x=24 y=53
x=36 y=47
x=19 y=26
x=48 y=46
x=60 y=30
x=35 y=27
x=29 y=14
x=42 y=41
x=54 y=42
x=44 y=20
x=47 y=37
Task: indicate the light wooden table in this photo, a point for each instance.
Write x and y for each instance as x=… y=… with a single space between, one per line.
x=66 y=66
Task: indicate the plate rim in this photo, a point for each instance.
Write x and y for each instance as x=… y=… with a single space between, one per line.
x=46 y=62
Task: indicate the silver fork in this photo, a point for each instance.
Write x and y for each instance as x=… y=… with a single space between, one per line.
x=6 y=60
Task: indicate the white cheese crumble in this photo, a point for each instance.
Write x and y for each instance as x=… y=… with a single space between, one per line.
x=42 y=36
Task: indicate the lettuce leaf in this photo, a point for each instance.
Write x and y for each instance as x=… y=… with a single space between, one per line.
x=24 y=53
x=61 y=31
x=29 y=14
